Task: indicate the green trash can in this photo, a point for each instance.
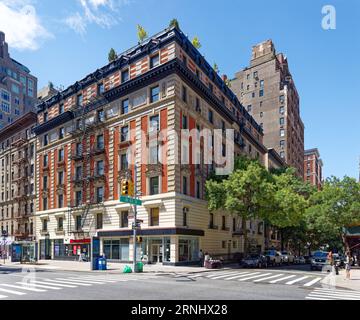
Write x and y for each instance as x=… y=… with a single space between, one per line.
x=139 y=267
x=127 y=269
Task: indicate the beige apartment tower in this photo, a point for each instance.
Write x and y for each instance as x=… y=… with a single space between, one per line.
x=268 y=92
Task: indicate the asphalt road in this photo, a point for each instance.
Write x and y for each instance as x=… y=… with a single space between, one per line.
x=282 y=283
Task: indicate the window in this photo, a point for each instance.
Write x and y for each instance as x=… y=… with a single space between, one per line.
x=5 y=95
x=210 y=116
x=282 y=133
x=100 y=141
x=223 y=222
x=61 y=108
x=211 y=221
x=223 y=150
x=60 y=224
x=184 y=93
x=99 y=194
x=282 y=99
x=248 y=76
x=154 y=185
x=124 y=76
x=154 y=94
x=78 y=222
x=185 y=212
x=282 y=154
x=281 y=110
x=282 y=143
x=78 y=173
x=197 y=104
x=124 y=219
x=60 y=200
x=249 y=108
x=198 y=189
x=184 y=122
x=60 y=177
x=261 y=114
x=45 y=140
x=30 y=87
x=101 y=115
x=211 y=87
x=124 y=134
x=45 y=116
x=45 y=182
x=123 y=162
x=78 y=149
x=101 y=88
x=248 y=87
x=99 y=221
x=233 y=224
x=184 y=185
x=282 y=121
x=261 y=83
x=255 y=74
x=78 y=198
x=125 y=106
x=44 y=225
x=261 y=93
x=100 y=167
x=15 y=88
x=154 y=217
x=253 y=95
x=45 y=161
x=5 y=107
x=154 y=123
x=61 y=155
x=79 y=99
x=154 y=61
x=61 y=133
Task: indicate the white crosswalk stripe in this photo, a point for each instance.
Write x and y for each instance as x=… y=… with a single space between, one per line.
x=254 y=276
x=58 y=284
x=18 y=293
x=282 y=279
x=23 y=287
x=229 y=275
x=312 y=282
x=80 y=281
x=91 y=280
x=69 y=282
x=332 y=294
x=33 y=284
x=241 y=274
x=268 y=278
x=297 y=280
x=217 y=274
x=3 y=297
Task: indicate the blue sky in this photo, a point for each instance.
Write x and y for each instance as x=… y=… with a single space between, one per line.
x=63 y=41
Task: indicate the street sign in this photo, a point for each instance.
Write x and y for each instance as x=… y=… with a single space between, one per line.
x=130 y=200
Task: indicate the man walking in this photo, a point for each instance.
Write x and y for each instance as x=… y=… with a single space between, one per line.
x=201 y=258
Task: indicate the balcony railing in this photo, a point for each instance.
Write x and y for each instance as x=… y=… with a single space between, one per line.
x=59 y=231
x=44 y=232
x=97 y=150
x=213 y=226
x=77 y=156
x=124 y=174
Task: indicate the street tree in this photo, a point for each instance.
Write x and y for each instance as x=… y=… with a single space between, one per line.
x=335 y=207
x=174 y=23
x=216 y=68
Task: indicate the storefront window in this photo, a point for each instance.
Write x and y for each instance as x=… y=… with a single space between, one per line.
x=167 y=249
x=188 y=249
x=116 y=249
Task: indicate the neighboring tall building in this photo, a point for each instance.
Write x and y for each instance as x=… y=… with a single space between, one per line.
x=17 y=87
x=268 y=92
x=313 y=167
x=84 y=133
x=17 y=178
x=47 y=92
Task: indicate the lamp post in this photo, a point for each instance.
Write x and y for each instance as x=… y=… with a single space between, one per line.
x=4 y=237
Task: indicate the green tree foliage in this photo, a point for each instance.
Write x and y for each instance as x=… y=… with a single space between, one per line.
x=196 y=43
x=141 y=33
x=174 y=23
x=334 y=208
x=216 y=68
x=112 y=55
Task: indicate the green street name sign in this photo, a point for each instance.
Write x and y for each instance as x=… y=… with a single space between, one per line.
x=130 y=200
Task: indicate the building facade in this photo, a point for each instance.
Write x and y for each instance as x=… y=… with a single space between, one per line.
x=17 y=87
x=267 y=91
x=313 y=167
x=17 y=174
x=135 y=112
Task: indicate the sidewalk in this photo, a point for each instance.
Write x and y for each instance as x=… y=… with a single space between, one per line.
x=353 y=283
x=112 y=267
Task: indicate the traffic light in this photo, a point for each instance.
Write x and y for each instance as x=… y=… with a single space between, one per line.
x=131 y=189
x=139 y=239
x=124 y=187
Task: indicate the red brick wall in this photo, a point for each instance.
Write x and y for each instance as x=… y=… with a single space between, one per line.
x=116 y=163
x=144 y=129
x=163 y=126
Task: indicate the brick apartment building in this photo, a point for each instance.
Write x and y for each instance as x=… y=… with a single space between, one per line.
x=313 y=167
x=17 y=87
x=267 y=90
x=17 y=178
x=85 y=131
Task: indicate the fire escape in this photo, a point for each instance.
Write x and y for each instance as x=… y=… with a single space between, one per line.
x=23 y=193
x=81 y=223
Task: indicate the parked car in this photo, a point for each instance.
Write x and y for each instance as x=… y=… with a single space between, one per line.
x=255 y=261
x=301 y=260
x=288 y=257
x=307 y=259
x=273 y=257
x=318 y=260
x=339 y=260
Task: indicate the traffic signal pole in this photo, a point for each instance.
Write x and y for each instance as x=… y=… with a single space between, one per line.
x=135 y=218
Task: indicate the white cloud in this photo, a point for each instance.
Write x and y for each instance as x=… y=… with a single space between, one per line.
x=21 y=24
x=100 y=12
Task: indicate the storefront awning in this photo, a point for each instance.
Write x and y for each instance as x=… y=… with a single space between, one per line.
x=152 y=232
x=152 y=203
x=353 y=231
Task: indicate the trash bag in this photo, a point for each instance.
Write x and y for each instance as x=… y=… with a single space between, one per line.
x=127 y=269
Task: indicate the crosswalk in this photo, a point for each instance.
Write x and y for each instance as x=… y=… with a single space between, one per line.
x=260 y=276
x=43 y=284
x=333 y=294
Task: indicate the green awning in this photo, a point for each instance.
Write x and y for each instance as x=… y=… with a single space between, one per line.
x=353 y=231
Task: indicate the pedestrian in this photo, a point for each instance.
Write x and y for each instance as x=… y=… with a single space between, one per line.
x=348 y=265
x=201 y=258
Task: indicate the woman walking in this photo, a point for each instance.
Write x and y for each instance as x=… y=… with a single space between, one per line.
x=348 y=265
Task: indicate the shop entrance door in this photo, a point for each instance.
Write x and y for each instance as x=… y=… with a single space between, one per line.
x=156 y=253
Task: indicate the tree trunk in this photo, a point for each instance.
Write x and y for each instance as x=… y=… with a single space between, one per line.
x=282 y=239
x=345 y=243
x=244 y=229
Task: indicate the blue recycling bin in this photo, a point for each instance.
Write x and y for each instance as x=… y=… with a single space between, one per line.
x=101 y=264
